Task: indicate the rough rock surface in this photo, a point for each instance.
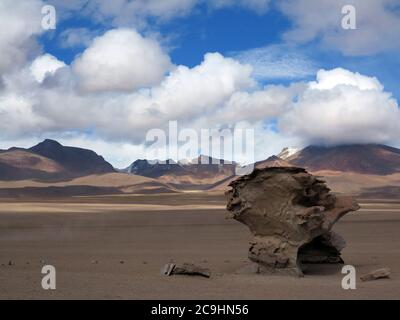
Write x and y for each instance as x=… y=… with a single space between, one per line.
x=290 y=214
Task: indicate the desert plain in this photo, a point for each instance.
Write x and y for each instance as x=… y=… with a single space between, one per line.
x=114 y=246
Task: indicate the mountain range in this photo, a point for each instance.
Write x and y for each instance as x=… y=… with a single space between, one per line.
x=365 y=159
x=56 y=169
x=49 y=160
x=199 y=173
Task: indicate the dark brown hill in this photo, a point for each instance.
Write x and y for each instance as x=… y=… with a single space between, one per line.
x=365 y=159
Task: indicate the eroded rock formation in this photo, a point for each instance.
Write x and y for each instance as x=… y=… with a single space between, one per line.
x=290 y=214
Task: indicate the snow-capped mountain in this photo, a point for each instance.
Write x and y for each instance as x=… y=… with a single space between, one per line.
x=288 y=152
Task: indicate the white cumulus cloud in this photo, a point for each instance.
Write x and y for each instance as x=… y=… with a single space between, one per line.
x=121 y=60
x=342 y=107
x=124 y=83
x=20 y=23
x=45 y=65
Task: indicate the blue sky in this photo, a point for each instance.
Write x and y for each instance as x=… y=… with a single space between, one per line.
x=192 y=36
x=232 y=30
x=112 y=71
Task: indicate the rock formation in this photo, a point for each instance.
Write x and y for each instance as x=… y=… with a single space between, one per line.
x=383 y=273
x=290 y=214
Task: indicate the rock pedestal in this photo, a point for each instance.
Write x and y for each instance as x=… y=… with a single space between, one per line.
x=290 y=214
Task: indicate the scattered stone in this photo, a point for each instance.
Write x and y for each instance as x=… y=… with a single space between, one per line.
x=167 y=269
x=290 y=214
x=11 y=263
x=383 y=273
x=185 y=269
x=94 y=262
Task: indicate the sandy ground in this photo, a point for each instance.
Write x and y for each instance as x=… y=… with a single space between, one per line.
x=132 y=242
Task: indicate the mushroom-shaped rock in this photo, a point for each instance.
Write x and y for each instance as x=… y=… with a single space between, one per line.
x=290 y=214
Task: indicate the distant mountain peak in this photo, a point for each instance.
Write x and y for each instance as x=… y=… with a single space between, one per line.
x=51 y=160
x=198 y=172
x=75 y=160
x=287 y=152
x=51 y=141
x=48 y=143
x=204 y=159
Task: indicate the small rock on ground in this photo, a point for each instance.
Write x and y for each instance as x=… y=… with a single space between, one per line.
x=383 y=273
